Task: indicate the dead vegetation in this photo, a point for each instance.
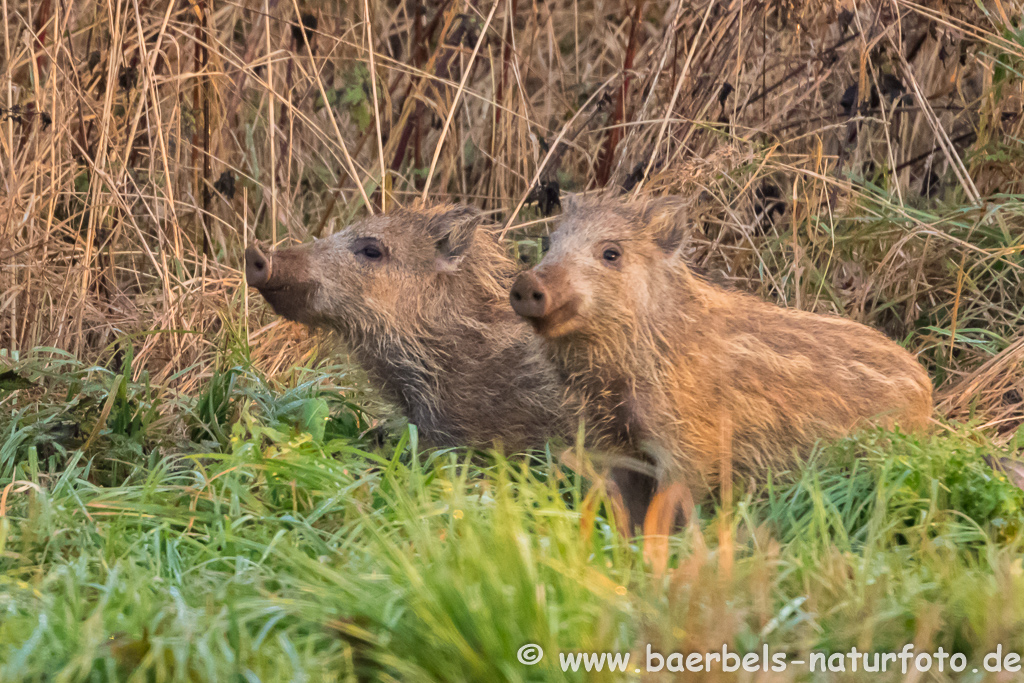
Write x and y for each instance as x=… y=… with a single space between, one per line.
x=854 y=157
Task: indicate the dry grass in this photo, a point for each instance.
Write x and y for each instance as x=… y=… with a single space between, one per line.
x=143 y=144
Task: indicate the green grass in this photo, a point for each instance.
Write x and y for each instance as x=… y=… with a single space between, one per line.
x=254 y=533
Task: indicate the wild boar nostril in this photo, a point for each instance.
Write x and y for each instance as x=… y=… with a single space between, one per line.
x=538 y=296
x=516 y=295
x=257 y=267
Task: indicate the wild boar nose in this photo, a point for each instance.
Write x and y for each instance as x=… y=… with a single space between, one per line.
x=529 y=298
x=257 y=267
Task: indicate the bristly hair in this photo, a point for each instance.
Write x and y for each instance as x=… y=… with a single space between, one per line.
x=463 y=368
x=663 y=375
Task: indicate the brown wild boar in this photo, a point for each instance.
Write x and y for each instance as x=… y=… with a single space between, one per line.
x=420 y=298
x=672 y=371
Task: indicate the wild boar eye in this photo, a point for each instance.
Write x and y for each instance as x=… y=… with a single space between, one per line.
x=371 y=252
x=611 y=255
x=368 y=250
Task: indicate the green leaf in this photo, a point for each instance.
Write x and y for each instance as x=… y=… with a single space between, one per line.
x=1017 y=442
x=332 y=99
x=361 y=115
x=313 y=415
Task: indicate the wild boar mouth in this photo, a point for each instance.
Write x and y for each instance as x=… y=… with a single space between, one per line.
x=289 y=300
x=558 y=322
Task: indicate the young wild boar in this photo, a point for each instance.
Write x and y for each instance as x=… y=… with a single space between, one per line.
x=420 y=299
x=674 y=371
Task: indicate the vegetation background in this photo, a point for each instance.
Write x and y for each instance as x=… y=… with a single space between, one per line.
x=191 y=489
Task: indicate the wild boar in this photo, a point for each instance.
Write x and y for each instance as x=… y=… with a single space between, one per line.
x=670 y=370
x=420 y=298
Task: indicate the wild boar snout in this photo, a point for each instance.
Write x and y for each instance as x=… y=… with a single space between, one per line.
x=257 y=267
x=544 y=298
x=283 y=278
x=529 y=296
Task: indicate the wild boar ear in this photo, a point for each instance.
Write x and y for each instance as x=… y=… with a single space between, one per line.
x=453 y=231
x=666 y=218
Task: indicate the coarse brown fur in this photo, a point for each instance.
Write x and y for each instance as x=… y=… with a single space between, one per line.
x=420 y=297
x=672 y=370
